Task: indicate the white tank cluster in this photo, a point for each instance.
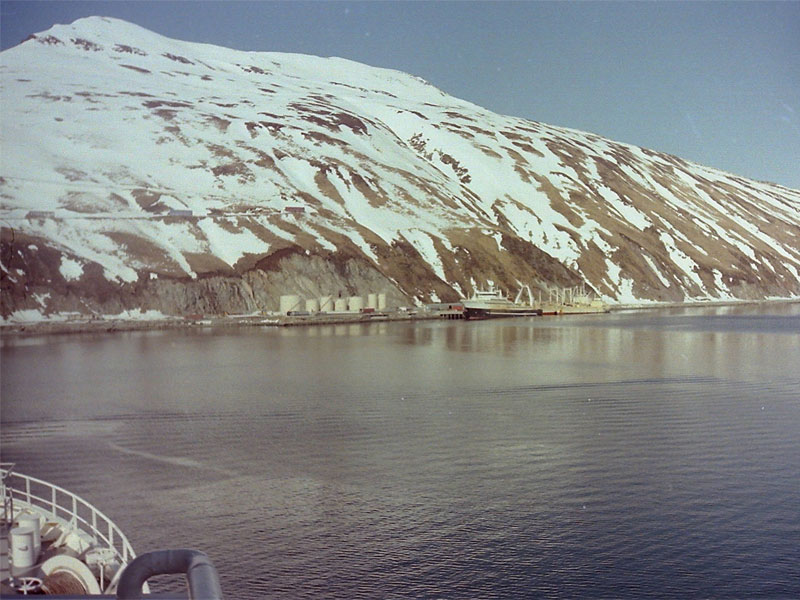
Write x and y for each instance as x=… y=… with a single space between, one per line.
x=26 y=540
x=294 y=303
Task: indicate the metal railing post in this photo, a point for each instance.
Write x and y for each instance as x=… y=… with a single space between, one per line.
x=26 y=492
x=8 y=495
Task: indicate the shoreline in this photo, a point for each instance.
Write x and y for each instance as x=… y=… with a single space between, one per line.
x=703 y=304
x=112 y=325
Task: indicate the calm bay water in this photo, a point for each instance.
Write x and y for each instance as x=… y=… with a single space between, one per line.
x=640 y=454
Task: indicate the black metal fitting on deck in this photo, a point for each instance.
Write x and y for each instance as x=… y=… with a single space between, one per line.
x=201 y=575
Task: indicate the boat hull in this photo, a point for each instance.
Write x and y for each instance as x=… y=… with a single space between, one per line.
x=476 y=313
x=569 y=309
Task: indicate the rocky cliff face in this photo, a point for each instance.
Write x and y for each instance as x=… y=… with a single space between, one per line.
x=146 y=173
x=40 y=285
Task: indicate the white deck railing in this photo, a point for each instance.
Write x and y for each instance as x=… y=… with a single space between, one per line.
x=62 y=504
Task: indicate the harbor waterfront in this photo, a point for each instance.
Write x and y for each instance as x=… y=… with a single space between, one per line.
x=112 y=324
x=627 y=455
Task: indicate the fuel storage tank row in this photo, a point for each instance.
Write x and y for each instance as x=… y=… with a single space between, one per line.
x=293 y=302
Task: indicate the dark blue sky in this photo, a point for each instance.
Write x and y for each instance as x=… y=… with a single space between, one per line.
x=713 y=82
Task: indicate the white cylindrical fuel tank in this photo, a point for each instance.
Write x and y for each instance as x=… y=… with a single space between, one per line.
x=381 y=301
x=372 y=300
x=355 y=303
x=23 y=549
x=32 y=521
x=290 y=302
x=340 y=305
x=326 y=303
x=312 y=305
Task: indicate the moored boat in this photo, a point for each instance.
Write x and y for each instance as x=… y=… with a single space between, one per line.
x=491 y=304
x=573 y=301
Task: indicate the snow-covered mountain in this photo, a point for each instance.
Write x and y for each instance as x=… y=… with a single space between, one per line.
x=140 y=172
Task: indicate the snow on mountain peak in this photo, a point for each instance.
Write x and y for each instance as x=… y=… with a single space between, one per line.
x=98 y=33
x=100 y=29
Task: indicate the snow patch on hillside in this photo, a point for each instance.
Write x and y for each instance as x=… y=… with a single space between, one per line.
x=70 y=269
x=656 y=270
x=423 y=243
x=229 y=245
